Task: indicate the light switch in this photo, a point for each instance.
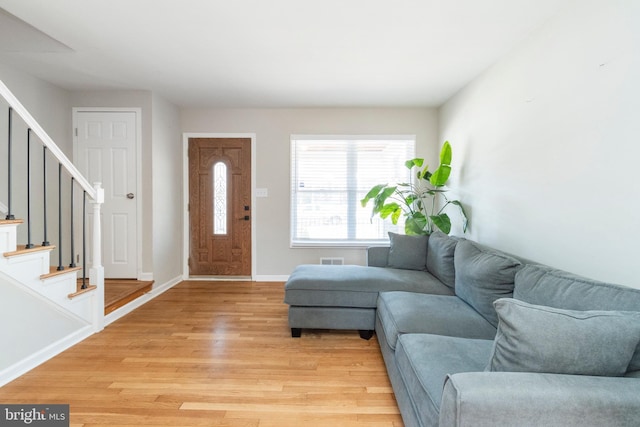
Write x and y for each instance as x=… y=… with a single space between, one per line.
x=262 y=192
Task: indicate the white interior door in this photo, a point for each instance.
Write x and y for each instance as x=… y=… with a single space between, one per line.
x=106 y=153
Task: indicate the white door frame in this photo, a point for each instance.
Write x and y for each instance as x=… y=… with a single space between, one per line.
x=138 y=150
x=185 y=192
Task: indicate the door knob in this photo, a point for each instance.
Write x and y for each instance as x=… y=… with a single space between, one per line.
x=129 y=195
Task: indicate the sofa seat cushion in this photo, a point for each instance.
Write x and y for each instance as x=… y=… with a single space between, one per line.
x=406 y=312
x=354 y=285
x=424 y=361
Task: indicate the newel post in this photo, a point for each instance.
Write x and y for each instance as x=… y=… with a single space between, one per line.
x=96 y=272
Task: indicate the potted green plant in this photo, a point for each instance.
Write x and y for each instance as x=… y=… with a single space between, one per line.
x=418 y=199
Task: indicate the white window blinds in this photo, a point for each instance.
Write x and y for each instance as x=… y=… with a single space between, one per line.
x=329 y=177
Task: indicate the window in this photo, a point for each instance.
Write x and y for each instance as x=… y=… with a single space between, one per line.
x=329 y=177
x=220 y=198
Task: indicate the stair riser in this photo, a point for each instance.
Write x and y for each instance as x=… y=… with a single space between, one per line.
x=82 y=306
x=8 y=235
x=27 y=266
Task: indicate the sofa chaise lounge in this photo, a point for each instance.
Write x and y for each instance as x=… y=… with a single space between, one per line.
x=472 y=336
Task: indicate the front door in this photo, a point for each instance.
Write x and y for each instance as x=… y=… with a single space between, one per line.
x=220 y=206
x=106 y=153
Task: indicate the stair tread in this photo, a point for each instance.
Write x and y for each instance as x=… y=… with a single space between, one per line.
x=10 y=221
x=53 y=271
x=21 y=250
x=118 y=293
x=81 y=291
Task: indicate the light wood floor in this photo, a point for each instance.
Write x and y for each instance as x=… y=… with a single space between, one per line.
x=215 y=354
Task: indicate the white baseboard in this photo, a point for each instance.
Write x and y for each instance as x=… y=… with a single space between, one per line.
x=128 y=308
x=14 y=371
x=145 y=277
x=271 y=278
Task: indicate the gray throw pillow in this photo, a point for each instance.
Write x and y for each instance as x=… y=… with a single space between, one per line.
x=440 y=250
x=407 y=252
x=535 y=338
x=482 y=276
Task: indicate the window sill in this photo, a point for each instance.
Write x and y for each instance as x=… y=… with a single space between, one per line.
x=364 y=244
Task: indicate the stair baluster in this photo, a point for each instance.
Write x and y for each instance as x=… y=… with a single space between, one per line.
x=60 y=266
x=29 y=244
x=9 y=214
x=72 y=264
x=45 y=242
x=84 y=240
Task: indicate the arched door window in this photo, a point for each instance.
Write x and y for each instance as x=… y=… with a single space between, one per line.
x=220 y=198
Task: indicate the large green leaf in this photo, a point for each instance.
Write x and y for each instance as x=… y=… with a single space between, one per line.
x=442 y=221
x=440 y=176
x=445 y=154
x=386 y=192
x=414 y=162
x=371 y=194
x=395 y=216
x=415 y=224
x=388 y=209
x=380 y=200
x=410 y=198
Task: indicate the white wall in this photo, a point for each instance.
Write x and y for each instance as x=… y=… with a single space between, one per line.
x=167 y=191
x=547 y=144
x=47 y=103
x=273 y=128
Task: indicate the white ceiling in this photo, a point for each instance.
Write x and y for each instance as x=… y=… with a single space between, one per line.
x=260 y=53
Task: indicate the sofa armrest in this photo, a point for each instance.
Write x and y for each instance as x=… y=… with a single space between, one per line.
x=377 y=256
x=526 y=399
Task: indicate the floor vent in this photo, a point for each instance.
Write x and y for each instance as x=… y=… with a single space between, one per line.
x=332 y=261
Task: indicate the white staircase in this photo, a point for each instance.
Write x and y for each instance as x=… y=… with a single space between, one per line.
x=31 y=267
x=43 y=311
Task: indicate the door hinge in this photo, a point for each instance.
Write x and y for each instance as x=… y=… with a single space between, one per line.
x=76 y=131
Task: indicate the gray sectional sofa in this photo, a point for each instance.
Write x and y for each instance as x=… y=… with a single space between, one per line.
x=472 y=336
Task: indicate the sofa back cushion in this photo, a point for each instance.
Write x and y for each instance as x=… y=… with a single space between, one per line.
x=543 y=285
x=440 y=251
x=482 y=276
x=407 y=252
x=537 y=338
